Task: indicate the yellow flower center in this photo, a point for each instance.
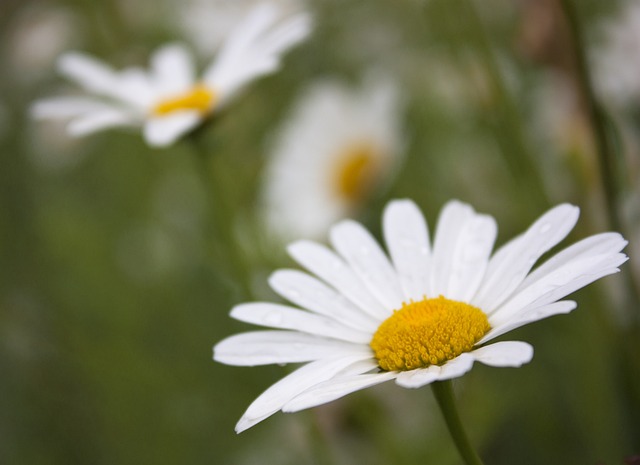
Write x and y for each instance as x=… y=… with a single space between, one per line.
x=428 y=332
x=199 y=98
x=356 y=172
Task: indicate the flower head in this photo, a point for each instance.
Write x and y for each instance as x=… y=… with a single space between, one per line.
x=337 y=148
x=424 y=313
x=168 y=100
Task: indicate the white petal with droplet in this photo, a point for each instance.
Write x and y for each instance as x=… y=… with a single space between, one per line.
x=508 y=268
x=267 y=347
x=407 y=238
x=283 y=317
x=312 y=294
x=273 y=399
x=366 y=258
x=334 y=389
x=324 y=263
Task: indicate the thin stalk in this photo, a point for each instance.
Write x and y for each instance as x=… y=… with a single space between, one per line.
x=443 y=392
x=608 y=144
x=609 y=154
x=226 y=247
x=600 y=124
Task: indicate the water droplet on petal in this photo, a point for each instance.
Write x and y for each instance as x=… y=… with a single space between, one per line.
x=272 y=318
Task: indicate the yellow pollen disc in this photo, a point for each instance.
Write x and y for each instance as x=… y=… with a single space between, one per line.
x=356 y=172
x=428 y=332
x=199 y=98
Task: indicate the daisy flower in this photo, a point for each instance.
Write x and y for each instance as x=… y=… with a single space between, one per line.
x=167 y=100
x=424 y=313
x=337 y=147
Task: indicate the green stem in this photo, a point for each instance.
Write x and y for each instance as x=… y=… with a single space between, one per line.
x=443 y=392
x=609 y=153
x=608 y=145
x=600 y=125
x=226 y=246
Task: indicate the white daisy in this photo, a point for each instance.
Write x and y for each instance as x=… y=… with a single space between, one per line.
x=337 y=147
x=424 y=315
x=168 y=101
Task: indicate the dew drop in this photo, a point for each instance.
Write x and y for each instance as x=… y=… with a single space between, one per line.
x=545 y=228
x=272 y=318
x=293 y=293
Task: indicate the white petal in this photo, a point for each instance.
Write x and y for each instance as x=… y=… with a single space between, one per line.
x=558 y=281
x=418 y=378
x=272 y=400
x=289 y=33
x=173 y=69
x=407 y=239
x=456 y=367
x=312 y=294
x=66 y=107
x=283 y=317
x=598 y=244
x=267 y=347
x=423 y=376
x=504 y=354
x=452 y=218
x=99 y=120
x=87 y=71
x=471 y=257
x=237 y=47
x=366 y=258
x=529 y=315
x=334 y=389
x=137 y=88
x=162 y=131
x=254 y=49
x=324 y=263
x=508 y=268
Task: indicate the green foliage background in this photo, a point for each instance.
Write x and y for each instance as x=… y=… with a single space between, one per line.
x=115 y=280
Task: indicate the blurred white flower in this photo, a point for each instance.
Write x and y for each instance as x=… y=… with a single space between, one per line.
x=337 y=147
x=425 y=313
x=617 y=61
x=168 y=101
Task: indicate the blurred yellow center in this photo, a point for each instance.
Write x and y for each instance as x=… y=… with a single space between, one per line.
x=199 y=98
x=428 y=332
x=356 y=172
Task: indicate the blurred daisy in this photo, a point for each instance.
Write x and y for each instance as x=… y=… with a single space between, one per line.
x=168 y=101
x=425 y=314
x=337 y=148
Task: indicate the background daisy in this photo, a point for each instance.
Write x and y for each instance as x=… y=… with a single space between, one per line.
x=168 y=100
x=338 y=148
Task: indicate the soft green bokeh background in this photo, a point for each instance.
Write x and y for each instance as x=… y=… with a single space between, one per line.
x=114 y=287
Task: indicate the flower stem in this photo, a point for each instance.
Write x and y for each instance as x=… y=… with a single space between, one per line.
x=227 y=249
x=443 y=392
x=600 y=125
x=608 y=145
